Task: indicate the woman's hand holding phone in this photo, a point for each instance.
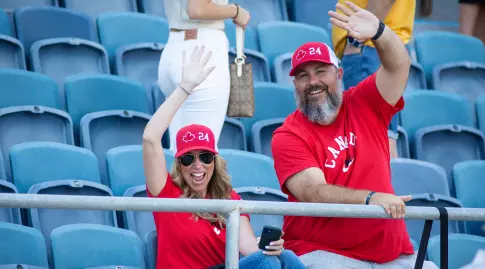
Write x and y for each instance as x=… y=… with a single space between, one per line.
x=272 y=244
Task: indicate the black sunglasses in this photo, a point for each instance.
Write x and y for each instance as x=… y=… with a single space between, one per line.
x=189 y=158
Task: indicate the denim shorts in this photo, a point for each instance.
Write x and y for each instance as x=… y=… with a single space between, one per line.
x=359 y=66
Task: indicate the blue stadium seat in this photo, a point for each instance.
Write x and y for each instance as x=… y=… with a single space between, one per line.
x=12 y=54
x=152 y=7
x=282 y=68
x=260 y=64
x=403 y=143
x=434 y=48
x=94 y=93
x=461 y=248
x=258 y=221
x=140 y=62
x=25 y=88
x=51 y=22
x=428 y=108
x=60 y=58
x=125 y=167
x=469 y=186
x=271 y=33
x=418 y=177
x=94 y=8
x=233 y=135
x=314 y=12
x=21 y=245
x=262 y=134
x=127 y=178
x=271 y=101
x=264 y=11
x=96 y=246
x=447 y=145
x=415 y=227
x=249 y=169
x=10 y=215
x=464 y=78
x=157 y=95
x=32 y=100
x=480 y=109
x=9 y=6
x=151 y=246
x=251 y=40
x=432 y=25
x=39 y=162
x=102 y=131
x=5 y=25
x=117 y=29
x=417 y=79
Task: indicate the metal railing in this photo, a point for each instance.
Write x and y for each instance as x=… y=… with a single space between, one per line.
x=231 y=207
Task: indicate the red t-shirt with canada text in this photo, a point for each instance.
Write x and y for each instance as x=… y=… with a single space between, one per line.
x=184 y=243
x=358 y=134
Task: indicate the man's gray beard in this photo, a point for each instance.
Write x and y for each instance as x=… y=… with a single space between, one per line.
x=322 y=114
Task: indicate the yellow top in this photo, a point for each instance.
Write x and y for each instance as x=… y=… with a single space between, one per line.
x=400 y=19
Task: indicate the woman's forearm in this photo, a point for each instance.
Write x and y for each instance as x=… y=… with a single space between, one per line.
x=208 y=10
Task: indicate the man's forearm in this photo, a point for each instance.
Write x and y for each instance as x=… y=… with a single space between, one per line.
x=380 y=8
x=392 y=52
x=332 y=194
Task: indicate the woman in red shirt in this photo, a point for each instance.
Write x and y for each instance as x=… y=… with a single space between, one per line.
x=197 y=240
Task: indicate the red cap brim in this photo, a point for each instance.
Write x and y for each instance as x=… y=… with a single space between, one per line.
x=293 y=70
x=185 y=150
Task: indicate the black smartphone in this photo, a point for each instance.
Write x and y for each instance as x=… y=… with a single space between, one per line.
x=268 y=235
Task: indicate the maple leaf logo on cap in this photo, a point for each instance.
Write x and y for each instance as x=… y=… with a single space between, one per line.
x=300 y=55
x=188 y=137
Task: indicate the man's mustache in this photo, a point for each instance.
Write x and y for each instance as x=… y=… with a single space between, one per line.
x=315 y=88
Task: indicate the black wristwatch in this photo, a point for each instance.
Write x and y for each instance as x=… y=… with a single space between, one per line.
x=352 y=41
x=380 y=30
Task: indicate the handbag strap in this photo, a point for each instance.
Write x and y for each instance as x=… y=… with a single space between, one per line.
x=240 y=58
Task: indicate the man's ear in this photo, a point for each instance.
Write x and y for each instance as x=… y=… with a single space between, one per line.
x=340 y=73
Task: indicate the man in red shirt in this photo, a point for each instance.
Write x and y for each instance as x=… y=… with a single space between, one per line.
x=334 y=149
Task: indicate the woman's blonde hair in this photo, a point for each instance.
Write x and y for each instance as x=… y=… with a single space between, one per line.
x=219 y=187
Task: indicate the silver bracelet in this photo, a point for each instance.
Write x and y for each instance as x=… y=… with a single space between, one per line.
x=187 y=92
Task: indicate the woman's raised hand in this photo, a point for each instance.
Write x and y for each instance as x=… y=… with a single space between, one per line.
x=194 y=70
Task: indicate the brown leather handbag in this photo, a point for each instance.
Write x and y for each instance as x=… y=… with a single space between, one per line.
x=241 y=97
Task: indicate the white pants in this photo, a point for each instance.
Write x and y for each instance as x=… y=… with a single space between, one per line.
x=207 y=105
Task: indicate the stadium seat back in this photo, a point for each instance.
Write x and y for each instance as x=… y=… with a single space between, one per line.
x=233 y=135
x=262 y=134
x=17 y=123
x=310 y=12
x=10 y=215
x=152 y=7
x=417 y=79
x=282 y=68
x=417 y=177
x=271 y=33
x=16 y=251
x=12 y=53
x=428 y=108
x=138 y=221
x=264 y=11
x=469 y=186
x=447 y=145
x=38 y=162
x=463 y=246
x=5 y=26
x=251 y=40
x=90 y=245
x=258 y=221
x=438 y=47
x=480 y=109
x=94 y=8
x=52 y=22
x=117 y=29
x=102 y=131
x=249 y=169
x=60 y=58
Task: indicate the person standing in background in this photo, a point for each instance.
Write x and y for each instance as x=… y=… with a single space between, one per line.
x=359 y=58
x=199 y=23
x=472 y=18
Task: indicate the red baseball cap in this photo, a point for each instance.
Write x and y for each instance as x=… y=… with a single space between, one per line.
x=313 y=52
x=195 y=137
